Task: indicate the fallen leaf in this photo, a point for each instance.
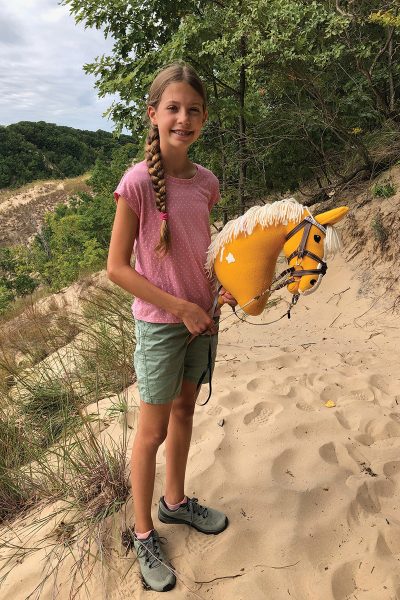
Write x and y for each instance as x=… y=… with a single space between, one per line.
x=330 y=403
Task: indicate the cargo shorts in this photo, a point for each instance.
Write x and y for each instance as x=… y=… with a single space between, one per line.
x=163 y=359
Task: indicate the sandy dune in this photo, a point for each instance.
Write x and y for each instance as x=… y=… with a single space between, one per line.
x=312 y=492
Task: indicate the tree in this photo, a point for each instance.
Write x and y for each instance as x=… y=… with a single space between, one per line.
x=296 y=86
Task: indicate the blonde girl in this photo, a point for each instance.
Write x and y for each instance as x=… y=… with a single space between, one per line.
x=163 y=207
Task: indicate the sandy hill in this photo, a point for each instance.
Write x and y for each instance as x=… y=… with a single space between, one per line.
x=22 y=210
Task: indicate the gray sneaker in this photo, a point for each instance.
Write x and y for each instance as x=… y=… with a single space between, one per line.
x=153 y=563
x=206 y=520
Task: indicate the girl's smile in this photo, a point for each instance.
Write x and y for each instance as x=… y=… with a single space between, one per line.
x=179 y=116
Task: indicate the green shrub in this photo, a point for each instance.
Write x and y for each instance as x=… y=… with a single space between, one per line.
x=379 y=230
x=50 y=409
x=385 y=189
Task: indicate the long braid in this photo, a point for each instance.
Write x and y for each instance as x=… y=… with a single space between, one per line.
x=156 y=172
x=175 y=72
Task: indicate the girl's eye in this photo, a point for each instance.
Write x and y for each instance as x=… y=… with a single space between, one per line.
x=171 y=107
x=195 y=109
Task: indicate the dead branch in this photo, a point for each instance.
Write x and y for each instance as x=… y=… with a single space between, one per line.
x=224 y=577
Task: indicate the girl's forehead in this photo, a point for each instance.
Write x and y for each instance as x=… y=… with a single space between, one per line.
x=180 y=91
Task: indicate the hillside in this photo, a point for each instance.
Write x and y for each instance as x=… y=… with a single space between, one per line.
x=22 y=210
x=31 y=151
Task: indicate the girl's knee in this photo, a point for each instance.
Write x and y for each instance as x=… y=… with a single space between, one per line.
x=183 y=408
x=150 y=438
x=153 y=425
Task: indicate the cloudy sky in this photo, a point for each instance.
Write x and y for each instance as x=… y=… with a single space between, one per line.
x=42 y=52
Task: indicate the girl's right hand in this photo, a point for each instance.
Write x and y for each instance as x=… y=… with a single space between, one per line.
x=197 y=320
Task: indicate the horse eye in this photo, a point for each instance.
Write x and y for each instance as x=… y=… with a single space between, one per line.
x=313 y=281
x=317 y=238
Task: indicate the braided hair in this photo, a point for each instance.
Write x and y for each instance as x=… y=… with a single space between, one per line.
x=175 y=72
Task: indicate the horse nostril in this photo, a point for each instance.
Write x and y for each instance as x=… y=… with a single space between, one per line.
x=313 y=281
x=317 y=238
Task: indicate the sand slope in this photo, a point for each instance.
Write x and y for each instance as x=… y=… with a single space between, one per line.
x=312 y=492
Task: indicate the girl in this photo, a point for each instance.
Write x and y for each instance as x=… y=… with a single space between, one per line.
x=163 y=206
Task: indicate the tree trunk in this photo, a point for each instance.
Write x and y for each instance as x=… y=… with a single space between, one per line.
x=390 y=69
x=223 y=153
x=242 y=129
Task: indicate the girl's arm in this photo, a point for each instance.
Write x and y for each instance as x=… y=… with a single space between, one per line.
x=120 y=272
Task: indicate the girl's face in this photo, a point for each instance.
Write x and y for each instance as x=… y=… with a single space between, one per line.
x=179 y=116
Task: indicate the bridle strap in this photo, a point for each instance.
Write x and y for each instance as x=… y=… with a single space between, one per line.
x=320 y=271
x=305 y=253
x=302 y=223
x=301 y=251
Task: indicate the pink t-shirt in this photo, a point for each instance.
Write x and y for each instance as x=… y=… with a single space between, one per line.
x=181 y=272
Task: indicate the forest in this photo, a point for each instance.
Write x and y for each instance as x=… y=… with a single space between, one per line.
x=31 y=151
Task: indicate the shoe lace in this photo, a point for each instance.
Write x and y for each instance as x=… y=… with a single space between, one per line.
x=148 y=549
x=195 y=508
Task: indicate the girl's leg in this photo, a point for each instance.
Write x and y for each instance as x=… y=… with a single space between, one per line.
x=178 y=441
x=151 y=432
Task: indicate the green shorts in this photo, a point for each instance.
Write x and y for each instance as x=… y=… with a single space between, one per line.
x=163 y=358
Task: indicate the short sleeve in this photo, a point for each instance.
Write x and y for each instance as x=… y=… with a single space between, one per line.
x=215 y=195
x=129 y=189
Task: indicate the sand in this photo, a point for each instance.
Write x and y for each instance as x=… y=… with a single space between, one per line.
x=312 y=492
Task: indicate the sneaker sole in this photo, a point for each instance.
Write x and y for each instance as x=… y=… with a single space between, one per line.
x=169 y=521
x=147 y=587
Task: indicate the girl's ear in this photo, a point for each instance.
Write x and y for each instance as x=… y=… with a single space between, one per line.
x=151 y=112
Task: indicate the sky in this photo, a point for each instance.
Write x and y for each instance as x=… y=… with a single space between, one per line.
x=42 y=53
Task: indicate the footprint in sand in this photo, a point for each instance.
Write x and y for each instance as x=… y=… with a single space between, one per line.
x=197 y=543
x=391 y=468
x=328 y=453
x=305 y=407
x=342 y=420
x=331 y=392
x=374 y=430
x=367 y=576
x=365 y=501
x=388 y=541
x=331 y=378
x=380 y=383
x=286 y=389
x=261 y=414
x=363 y=395
x=284 y=361
x=307 y=430
x=343 y=584
x=395 y=417
x=365 y=439
x=214 y=411
x=258 y=383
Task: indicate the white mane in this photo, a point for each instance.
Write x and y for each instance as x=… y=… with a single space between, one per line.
x=277 y=213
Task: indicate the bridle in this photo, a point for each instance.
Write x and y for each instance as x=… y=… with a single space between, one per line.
x=301 y=251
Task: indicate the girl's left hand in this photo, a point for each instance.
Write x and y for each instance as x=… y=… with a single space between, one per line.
x=226 y=298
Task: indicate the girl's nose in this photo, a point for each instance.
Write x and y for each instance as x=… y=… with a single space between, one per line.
x=183 y=117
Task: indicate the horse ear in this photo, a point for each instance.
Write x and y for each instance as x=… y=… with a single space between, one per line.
x=332 y=216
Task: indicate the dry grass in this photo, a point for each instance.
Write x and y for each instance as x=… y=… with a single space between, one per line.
x=51 y=452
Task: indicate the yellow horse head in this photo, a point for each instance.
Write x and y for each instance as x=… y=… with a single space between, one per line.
x=243 y=255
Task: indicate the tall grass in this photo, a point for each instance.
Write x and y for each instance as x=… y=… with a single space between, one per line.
x=51 y=451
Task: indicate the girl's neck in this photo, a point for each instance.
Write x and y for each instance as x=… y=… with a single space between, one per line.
x=178 y=165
